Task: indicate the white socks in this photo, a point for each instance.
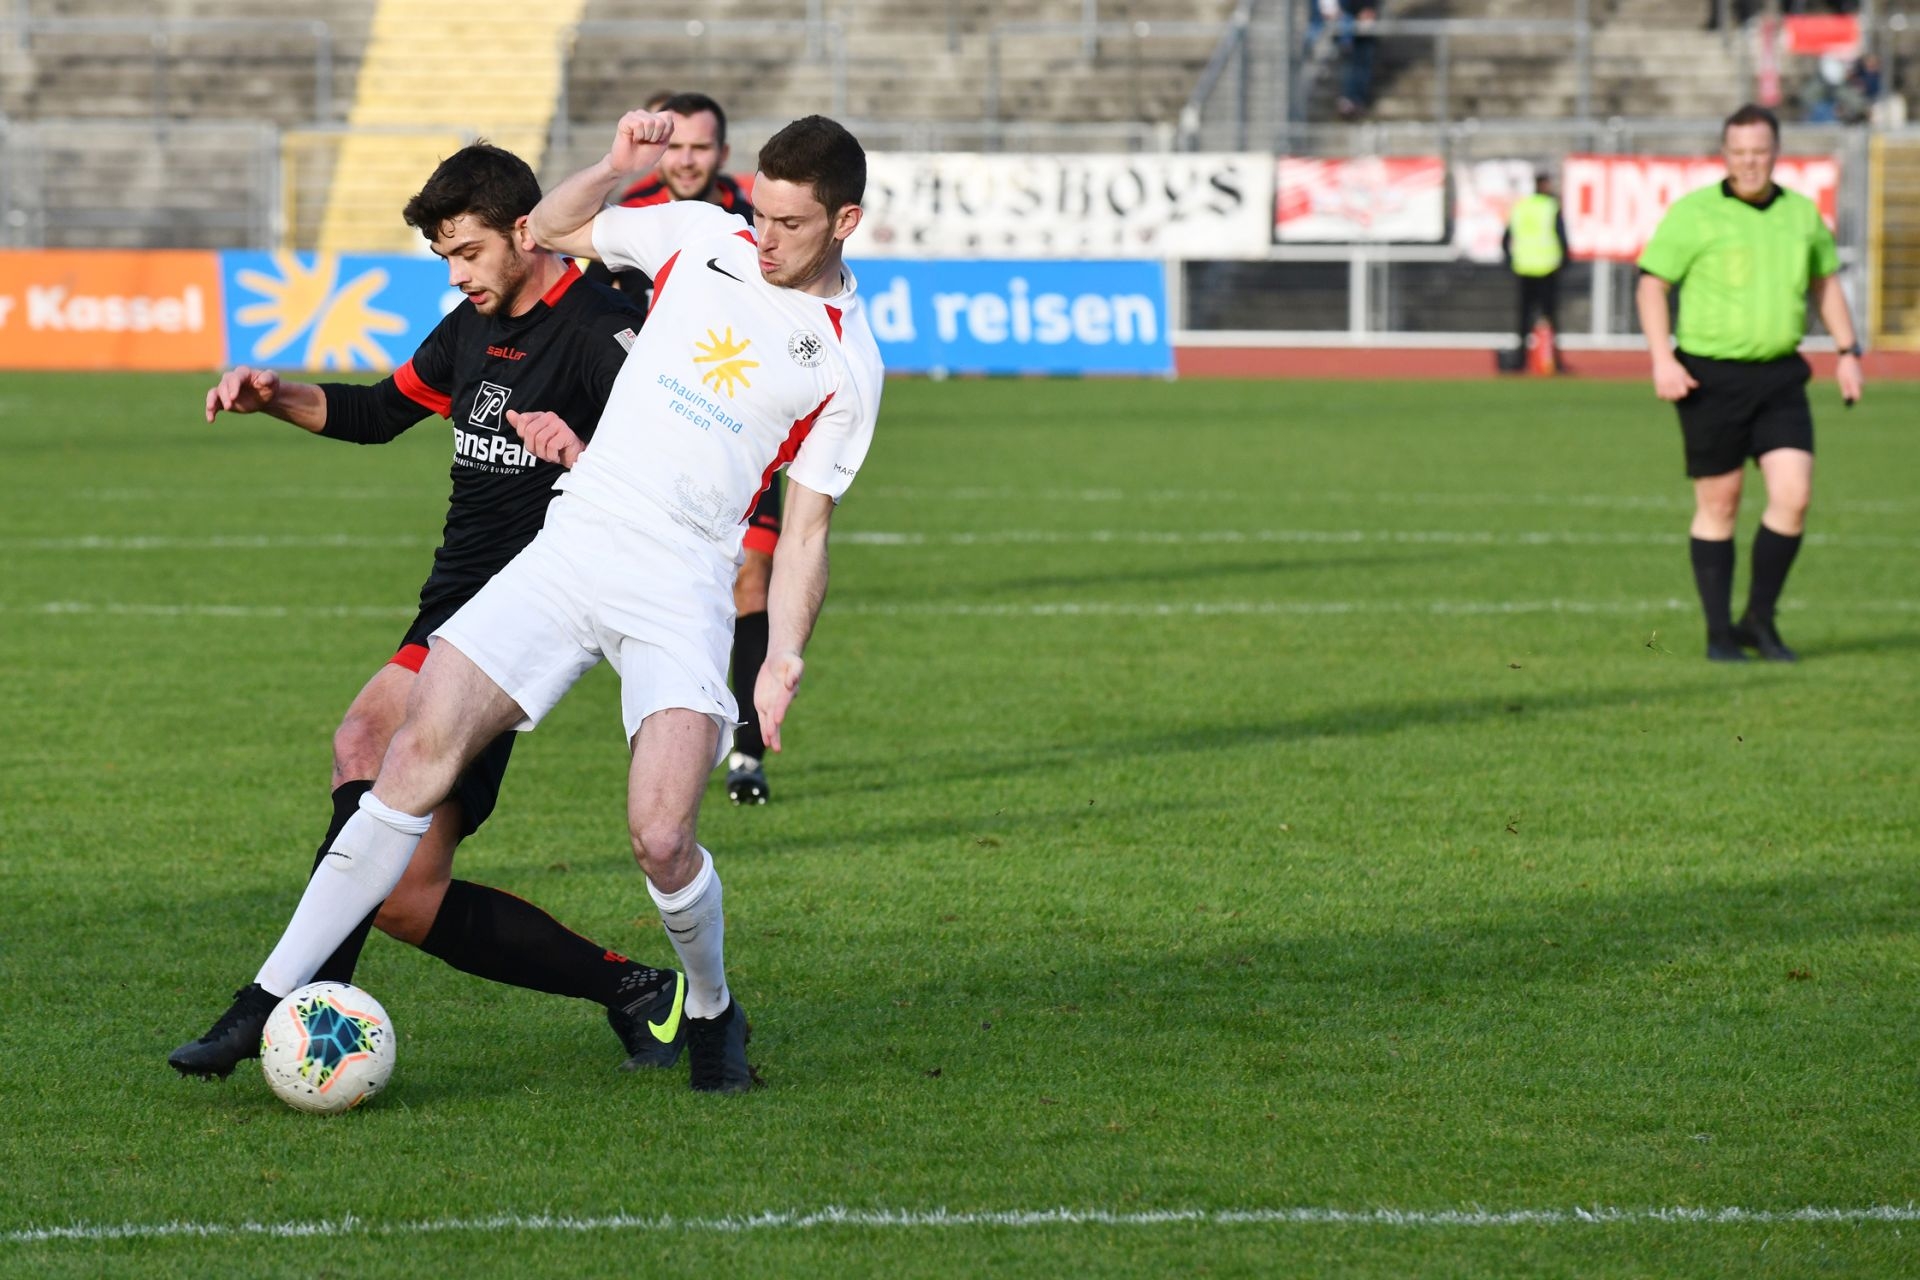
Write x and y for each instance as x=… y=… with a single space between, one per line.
x=695 y=924
x=367 y=860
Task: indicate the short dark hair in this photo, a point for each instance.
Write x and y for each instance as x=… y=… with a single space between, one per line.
x=692 y=104
x=820 y=152
x=1752 y=113
x=495 y=186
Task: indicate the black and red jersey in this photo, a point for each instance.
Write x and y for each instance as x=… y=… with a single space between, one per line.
x=562 y=356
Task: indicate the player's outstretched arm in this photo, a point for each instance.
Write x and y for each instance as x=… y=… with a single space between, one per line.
x=248 y=390
x=794 y=596
x=563 y=220
x=547 y=435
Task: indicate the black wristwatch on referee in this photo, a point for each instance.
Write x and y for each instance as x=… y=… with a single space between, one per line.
x=1855 y=350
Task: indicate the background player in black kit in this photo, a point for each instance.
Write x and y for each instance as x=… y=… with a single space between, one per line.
x=532 y=335
x=691 y=169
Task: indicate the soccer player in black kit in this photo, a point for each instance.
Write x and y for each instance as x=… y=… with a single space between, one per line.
x=532 y=335
x=691 y=169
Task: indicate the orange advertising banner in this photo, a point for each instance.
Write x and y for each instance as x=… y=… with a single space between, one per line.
x=111 y=309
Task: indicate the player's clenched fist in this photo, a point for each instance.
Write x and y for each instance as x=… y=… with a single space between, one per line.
x=638 y=139
x=242 y=390
x=547 y=435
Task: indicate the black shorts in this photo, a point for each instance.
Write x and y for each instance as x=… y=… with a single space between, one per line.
x=763 y=519
x=1742 y=409
x=478 y=788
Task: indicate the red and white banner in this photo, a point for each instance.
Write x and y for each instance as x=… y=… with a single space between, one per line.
x=1371 y=200
x=1483 y=196
x=1613 y=203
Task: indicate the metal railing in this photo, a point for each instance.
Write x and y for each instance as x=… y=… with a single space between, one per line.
x=1234 y=49
x=139 y=183
x=162 y=33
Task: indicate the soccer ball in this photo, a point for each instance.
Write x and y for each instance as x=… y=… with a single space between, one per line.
x=327 y=1048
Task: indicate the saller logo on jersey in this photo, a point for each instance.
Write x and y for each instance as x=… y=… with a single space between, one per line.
x=806 y=348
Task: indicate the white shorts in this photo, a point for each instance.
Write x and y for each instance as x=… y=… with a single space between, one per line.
x=591 y=586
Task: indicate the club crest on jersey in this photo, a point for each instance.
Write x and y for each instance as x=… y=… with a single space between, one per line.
x=806 y=348
x=489 y=406
x=728 y=358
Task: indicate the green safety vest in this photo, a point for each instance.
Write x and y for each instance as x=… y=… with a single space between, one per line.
x=1533 y=240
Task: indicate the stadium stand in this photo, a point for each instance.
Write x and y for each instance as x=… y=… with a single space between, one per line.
x=1650 y=58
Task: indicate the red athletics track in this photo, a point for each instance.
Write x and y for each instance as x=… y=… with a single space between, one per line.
x=1375 y=363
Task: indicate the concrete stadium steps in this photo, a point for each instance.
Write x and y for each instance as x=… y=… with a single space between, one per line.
x=439 y=81
x=1651 y=58
x=110 y=70
x=904 y=62
x=194 y=187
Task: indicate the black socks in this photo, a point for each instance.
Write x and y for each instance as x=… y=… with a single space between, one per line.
x=492 y=934
x=1713 y=575
x=1773 y=555
x=749 y=655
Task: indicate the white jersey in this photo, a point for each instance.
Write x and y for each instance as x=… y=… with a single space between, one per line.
x=729 y=379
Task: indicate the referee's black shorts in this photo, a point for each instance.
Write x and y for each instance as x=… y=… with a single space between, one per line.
x=1742 y=409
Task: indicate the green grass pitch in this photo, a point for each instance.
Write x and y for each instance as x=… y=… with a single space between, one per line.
x=1227 y=828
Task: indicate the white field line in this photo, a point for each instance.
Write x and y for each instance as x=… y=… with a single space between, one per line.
x=1680 y=500
x=986 y=538
x=1036 y=609
x=834 y=1216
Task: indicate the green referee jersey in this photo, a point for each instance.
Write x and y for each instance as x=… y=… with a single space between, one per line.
x=1743 y=270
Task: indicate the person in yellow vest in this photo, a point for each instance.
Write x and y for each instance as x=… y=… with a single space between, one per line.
x=1535 y=247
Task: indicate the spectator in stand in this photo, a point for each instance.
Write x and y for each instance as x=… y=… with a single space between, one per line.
x=1357 y=18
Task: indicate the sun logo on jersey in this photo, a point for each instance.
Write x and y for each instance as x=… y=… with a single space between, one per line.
x=724 y=354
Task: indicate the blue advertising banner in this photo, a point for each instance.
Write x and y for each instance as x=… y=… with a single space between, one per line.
x=329 y=312
x=325 y=312
x=974 y=316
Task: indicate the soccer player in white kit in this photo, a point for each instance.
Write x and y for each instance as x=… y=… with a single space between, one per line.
x=757 y=355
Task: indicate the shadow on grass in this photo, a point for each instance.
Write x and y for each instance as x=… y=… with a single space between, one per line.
x=1685 y=949
x=1886 y=642
x=1354 y=720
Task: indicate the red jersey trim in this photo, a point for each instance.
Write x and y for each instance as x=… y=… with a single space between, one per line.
x=761 y=540
x=748 y=237
x=414 y=388
x=796 y=436
x=564 y=283
x=834 y=314
x=411 y=656
x=660 y=281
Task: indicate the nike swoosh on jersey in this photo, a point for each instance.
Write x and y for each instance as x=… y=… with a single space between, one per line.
x=713 y=264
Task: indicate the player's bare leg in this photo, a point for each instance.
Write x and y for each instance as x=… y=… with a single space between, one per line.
x=672 y=754
x=453 y=712
x=1789 y=477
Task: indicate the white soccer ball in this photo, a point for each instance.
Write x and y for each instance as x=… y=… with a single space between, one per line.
x=327 y=1048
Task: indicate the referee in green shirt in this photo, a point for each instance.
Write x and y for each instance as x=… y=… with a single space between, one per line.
x=1746 y=255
